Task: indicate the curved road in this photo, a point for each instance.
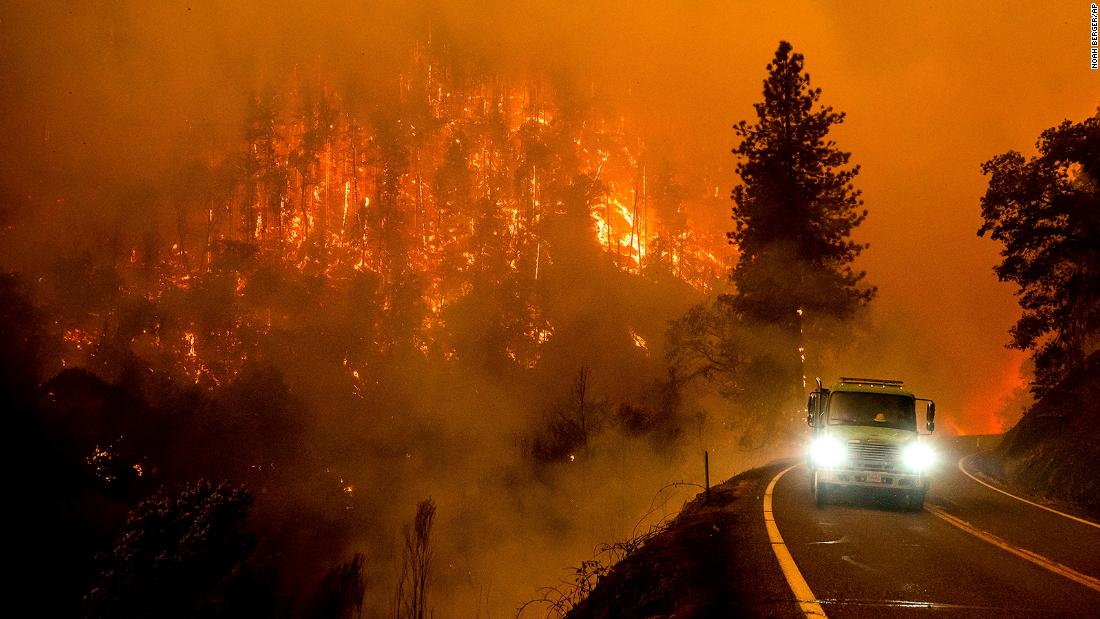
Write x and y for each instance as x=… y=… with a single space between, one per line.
x=972 y=552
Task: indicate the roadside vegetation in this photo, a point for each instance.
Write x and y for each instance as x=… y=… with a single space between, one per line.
x=1045 y=210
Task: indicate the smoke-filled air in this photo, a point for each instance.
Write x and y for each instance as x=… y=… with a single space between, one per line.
x=404 y=308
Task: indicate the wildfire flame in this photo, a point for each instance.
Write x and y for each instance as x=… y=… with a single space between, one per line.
x=320 y=192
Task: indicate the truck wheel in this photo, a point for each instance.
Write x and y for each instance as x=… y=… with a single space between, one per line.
x=916 y=501
x=821 y=492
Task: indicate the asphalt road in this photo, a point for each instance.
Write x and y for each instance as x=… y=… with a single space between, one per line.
x=972 y=552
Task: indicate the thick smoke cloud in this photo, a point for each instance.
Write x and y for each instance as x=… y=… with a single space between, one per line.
x=103 y=102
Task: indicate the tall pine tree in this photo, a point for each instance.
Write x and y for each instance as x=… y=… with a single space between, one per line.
x=796 y=207
x=794 y=213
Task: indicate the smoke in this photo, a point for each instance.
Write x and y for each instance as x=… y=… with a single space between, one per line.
x=108 y=111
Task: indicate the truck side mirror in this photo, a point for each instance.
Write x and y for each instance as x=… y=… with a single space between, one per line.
x=931 y=417
x=811 y=409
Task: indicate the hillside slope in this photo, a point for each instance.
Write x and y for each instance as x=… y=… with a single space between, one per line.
x=1053 y=453
x=697 y=567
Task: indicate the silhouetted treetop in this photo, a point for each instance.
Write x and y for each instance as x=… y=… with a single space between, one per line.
x=794 y=213
x=182 y=554
x=1046 y=212
x=796 y=206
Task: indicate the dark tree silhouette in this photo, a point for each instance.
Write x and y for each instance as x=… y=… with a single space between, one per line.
x=318 y=118
x=340 y=594
x=411 y=601
x=22 y=338
x=402 y=284
x=796 y=206
x=452 y=184
x=1046 y=212
x=571 y=423
x=265 y=181
x=794 y=214
x=259 y=417
x=180 y=555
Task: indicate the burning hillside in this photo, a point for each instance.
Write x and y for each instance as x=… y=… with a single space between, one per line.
x=454 y=285
x=467 y=179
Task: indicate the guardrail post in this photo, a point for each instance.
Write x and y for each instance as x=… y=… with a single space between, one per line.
x=706 y=475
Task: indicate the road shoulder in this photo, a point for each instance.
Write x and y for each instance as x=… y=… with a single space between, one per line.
x=714 y=560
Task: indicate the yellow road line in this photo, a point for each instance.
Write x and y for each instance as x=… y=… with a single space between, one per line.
x=992 y=487
x=1037 y=559
x=806 y=599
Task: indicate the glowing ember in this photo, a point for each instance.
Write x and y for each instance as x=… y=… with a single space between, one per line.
x=100 y=461
x=78 y=338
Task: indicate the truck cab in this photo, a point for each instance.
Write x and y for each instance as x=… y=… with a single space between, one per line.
x=865 y=436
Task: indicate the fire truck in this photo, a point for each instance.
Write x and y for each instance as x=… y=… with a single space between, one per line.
x=865 y=436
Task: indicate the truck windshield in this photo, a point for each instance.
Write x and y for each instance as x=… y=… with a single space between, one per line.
x=872 y=409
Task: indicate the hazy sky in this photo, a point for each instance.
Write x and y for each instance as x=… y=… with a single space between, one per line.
x=931 y=89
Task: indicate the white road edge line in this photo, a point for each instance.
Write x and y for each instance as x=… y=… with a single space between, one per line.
x=1037 y=559
x=1032 y=503
x=807 y=601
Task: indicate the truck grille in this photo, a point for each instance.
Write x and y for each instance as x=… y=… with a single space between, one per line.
x=872 y=454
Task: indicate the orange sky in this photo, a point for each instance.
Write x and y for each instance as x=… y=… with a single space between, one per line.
x=931 y=93
x=931 y=90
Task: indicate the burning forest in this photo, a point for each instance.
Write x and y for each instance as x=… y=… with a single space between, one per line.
x=467 y=183
x=392 y=309
x=455 y=288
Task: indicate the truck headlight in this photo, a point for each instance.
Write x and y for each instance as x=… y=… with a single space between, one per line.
x=918 y=456
x=827 y=451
